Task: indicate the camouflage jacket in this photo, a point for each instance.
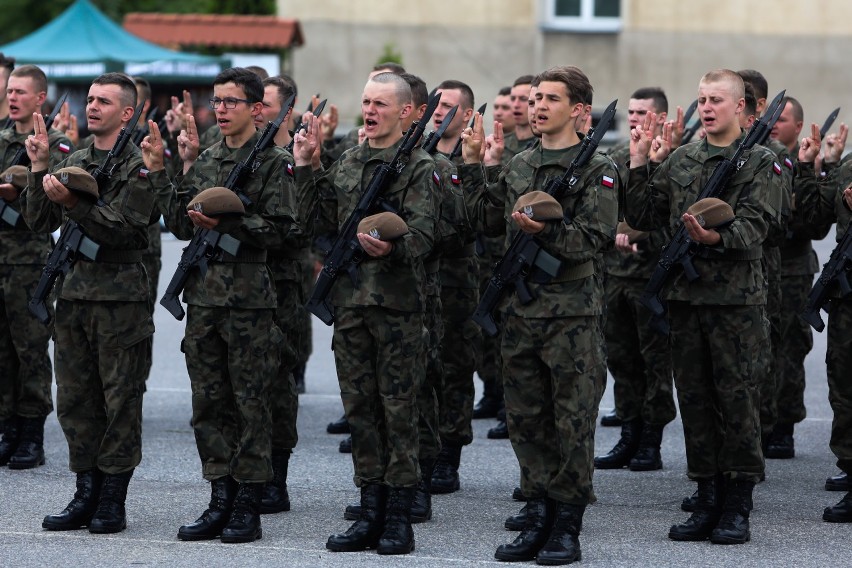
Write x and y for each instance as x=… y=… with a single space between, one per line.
x=20 y=245
x=118 y=226
x=730 y=272
x=396 y=281
x=244 y=281
x=513 y=146
x=459 y=267
x=591 y=206
x=332 y=151
x=285 y=261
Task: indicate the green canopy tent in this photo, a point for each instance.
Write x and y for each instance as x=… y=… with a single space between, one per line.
x=82 y=43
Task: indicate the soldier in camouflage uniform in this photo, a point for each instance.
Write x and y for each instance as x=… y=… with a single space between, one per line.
x=103 y=325
x=553 y=359
x=379 y=324
x=637 y=355
x=824 y=200
x=25 y=371
x=718 y=321
x=231 y=343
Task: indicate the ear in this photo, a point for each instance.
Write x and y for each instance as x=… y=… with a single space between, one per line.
x=740 y=106
x=127 y=113
x=41 y=98
x=256 y=108
x=405 y=111
x=661 y=118
x=468 y=114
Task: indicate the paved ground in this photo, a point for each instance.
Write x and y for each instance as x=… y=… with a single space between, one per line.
x=627 y=527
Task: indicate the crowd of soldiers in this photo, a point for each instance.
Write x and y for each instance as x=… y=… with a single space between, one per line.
x=405 y=346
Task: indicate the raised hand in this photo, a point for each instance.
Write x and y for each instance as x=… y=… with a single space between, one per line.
x=640 y=140
x=809 y=147
x=38 y=147
x=67 y=124
x=152 y=148
x=473 y=140
x=307 y=140
x=188 y=143
x=834 y=145
x=677 y=128
x=662 y=145
x=494 y=146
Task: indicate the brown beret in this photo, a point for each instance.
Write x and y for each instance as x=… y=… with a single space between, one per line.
x=79 y=181
x=711 y=212
x=633 y=236
x=539 y=206
x=216 y=201
x=383 y=226
x=16 y=175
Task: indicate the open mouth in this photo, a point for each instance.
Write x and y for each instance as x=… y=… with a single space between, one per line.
x=370 y=123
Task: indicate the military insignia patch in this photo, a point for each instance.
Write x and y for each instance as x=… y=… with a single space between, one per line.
x=456 y=179
x=8 y=178
x=64 y=148
x=143 y=173
x=528 y=211
x=290 y=170
x=436 y=178
x=776 y=167
x=63 y=178
x=789 y=163
x=607 y=181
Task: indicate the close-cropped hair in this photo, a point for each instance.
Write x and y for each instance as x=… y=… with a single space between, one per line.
x=36 y=75
x=419 y=93
x=504 y=91
x=390 y=67
x=144 y=86
x=124 y=82
x=466 y=92
x=285 y=89
x=248 y=81
x=576 y=82
x=750 y=100
x=798 y=111
x=523 y=80
x=757 y=82
x=726 y=75
x=656 y=94
x=400 y=85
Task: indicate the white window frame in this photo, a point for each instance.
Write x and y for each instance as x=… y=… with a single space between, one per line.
x=586 y=22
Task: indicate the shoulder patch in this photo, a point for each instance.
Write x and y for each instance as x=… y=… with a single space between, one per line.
x=290 y=170
x=64 y=148
x=456 y=179
x=436 y=178
x=776 y=167
x=788 y=163
x=607 y=181
x=168 y=153
x=143 y=173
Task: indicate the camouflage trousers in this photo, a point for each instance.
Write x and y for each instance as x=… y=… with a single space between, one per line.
x=427 y=397
x=232 y=356
x=796 y=342
x=717 y=375
x=490 y=367
x=283 y=398
x=638 y=357
x=460 y=355
x=381 y=361
x=554 y=375
x=25 y=370
x=101 y=354
x=305 y=337
x=769 y=383
x=838 y=359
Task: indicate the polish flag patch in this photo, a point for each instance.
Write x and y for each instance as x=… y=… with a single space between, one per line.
x=143 y=173
x=776 y=167
x=456 y=180
x=290 y=170
x=436 y=178
x=168 y=153
x=607 y=181
x=64 y=148
x=788 y=163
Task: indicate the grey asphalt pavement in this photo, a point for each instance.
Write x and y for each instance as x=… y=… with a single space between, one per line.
x=626 y=527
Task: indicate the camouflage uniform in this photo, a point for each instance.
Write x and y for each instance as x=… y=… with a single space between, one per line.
x=25 y=370
x=231 y=343
x=554 y=366
x=379 y=332
x=717 y=322
x=103 y=326
x=638 y=357
x=821 y=202
x=332 y=151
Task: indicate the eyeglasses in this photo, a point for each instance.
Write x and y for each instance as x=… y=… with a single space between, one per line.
x=230 y=102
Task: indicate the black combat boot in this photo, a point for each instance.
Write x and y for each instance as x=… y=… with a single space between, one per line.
x=840 y=513
x=487 y=407
x=110 y=516
x=445 y=478
x=516 y=522
x=780 y=444
x=688 y=503
x=611 y=419
x=839 y=482
x=299 y=378
x=9 y=441
x=209 y=525
x=397 y=536
x=275 y=497
x=563 y=545
x=708 y=510
x=366 y=531
x=501 y=431
x=627 y=446
x=535 y=534
x=733 y=526
x=518 y=495
x=82 y=507
x=30 y=451
x=345 y=446
x=421 y=505
x=647 y=456
x=244 y=524
x=339 y=426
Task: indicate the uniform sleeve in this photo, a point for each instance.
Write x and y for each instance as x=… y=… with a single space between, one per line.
x=40 y=213
x=753 y=210
x=815 y=197
x=418 y=209
x=646 y=198
x=484 y=211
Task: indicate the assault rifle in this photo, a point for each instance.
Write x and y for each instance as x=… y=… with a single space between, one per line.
x=317 y=111
x=682 y=249
x=525 y=252
x=206 y=243
x=689 y=131
x=72 y=241
x=346 y=253
x=835 y=273
x=457 y=150
x=7 y=212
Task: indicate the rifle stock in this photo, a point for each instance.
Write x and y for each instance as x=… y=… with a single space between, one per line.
x=835 y=273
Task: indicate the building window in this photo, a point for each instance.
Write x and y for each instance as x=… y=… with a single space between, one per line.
x=592 y=16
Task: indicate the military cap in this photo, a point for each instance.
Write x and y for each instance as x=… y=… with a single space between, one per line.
x=711 y=212
x=539 y=206
x=216 y=201
x=79 y=181
x=16 y=175
x=633 y=236
x=383 y=226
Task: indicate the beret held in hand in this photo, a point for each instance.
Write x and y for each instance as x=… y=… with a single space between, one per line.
x=383 y=226
x=539 y=206
x=79 y=181
x=711 y=212
x=217 y=201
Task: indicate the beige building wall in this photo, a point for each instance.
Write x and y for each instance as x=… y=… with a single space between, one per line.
x=800 y=46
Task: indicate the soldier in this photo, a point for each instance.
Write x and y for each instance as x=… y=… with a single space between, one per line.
x=522 y=135
x=502 y=110
x=231 y=343
x=459 y=277
x=552 y=353
x=823 y=200
x=637 y=355
x=103 y=324
x=7 y=64
x=25 y=370
x=379 y=325
x=718 y=321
